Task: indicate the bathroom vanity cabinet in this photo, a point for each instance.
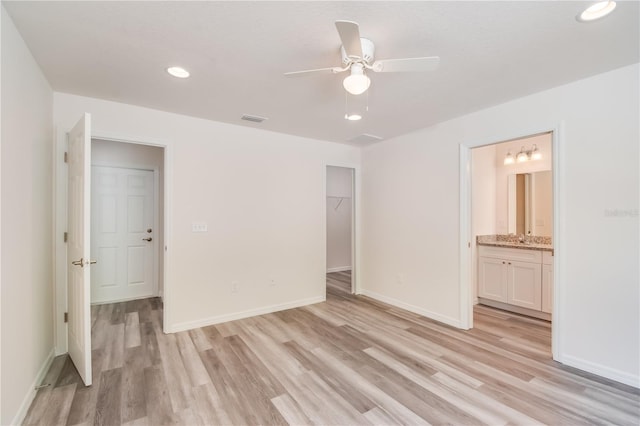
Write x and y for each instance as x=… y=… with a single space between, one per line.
x=516 y=279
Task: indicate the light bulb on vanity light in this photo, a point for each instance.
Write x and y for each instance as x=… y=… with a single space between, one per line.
x=508 y=159
x=535 y=154
x=522 y=156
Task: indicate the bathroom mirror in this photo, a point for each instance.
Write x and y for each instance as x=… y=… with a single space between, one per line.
x=530 y=203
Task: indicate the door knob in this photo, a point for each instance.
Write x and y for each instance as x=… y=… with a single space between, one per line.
x=147 y=239
x=83 y=262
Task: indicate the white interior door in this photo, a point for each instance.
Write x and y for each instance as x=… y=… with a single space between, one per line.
x=78 y=247
x=122 y=234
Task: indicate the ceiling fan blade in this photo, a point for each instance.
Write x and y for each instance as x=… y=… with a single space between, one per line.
x=428 y=63
x=331 y=70
x=350 y=36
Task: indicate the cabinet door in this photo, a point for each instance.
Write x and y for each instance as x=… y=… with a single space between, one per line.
x=492 y=279
x=547 y=288
x=524 y=284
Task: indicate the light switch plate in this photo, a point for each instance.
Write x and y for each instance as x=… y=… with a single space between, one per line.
x=198 y=226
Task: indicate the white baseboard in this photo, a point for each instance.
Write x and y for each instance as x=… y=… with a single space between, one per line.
x=31 y=394
x=126 y=299
x=188 y=325
x=601 y=370
x=454 y=322
x=339 y=269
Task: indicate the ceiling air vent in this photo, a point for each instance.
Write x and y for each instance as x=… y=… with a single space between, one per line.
x=253 y=118
x=365 y=138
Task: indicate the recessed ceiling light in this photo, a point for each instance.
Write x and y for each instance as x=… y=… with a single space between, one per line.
x=353 y=117
x=178 y=72
x=597 y=11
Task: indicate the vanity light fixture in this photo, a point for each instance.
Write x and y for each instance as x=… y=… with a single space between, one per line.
x=178 y=72
x=523 y=155
x=597 y=11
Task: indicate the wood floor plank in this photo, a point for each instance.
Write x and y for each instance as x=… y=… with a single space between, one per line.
x=290 y=410
x=58 y=405
x=158 y=403
x=149 y=344
x=192 y=362
x=209 y=405
x=83 y=407
x=174 y=371
x=199 y=339
x=108 y=408
x=114 y=346
x=133 y=404
x=131 y=330
x=349 y=360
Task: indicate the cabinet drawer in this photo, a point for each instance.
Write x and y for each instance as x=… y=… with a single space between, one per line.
x=518 y=255
x=547 y=257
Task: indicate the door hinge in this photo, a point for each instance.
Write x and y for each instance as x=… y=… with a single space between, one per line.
x=66 y=237
x=66 y=317
x=66 y=157
x=468 y=243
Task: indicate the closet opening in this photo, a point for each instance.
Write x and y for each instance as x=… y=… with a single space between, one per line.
x=340 y=230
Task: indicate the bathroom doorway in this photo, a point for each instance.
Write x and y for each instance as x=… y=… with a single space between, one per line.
x=509 y=235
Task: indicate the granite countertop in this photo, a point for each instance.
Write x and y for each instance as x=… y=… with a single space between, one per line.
x=511 y=241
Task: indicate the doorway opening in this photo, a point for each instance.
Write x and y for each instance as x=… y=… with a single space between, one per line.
x=127 y=221
x=340 y=229
x=509 y=228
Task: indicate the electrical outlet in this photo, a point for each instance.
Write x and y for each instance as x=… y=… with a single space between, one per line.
x=198 y=226
x=235 y=287
x=272 y=283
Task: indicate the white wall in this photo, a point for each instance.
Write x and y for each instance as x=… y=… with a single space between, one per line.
x=117 y=154
x=261 y=193
x=483 y=201
x=410 y=210
x=27 y=309
x=339 y=221
x=503 y=171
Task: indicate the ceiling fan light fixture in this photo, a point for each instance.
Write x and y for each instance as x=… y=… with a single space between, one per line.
x=178 y=72
x=356 y=83
x=597 y=11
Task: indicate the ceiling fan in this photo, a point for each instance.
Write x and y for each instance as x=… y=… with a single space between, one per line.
x=358 y=56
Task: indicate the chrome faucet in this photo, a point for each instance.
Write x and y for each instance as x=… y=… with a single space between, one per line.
x=525 y=239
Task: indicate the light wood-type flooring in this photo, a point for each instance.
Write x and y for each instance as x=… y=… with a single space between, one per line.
x=348 y=361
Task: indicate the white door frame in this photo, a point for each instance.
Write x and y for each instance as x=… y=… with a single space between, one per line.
x=355 y=222
x=466 y=275
x=60 y=227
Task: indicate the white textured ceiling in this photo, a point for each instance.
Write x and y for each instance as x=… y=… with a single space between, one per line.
x=490 y=52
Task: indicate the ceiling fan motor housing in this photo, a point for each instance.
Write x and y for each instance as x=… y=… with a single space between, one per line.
x=368 y=51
